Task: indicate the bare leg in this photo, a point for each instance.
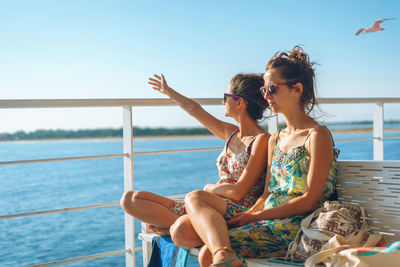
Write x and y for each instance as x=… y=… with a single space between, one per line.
x=183 y=233
x=206 y=211
x=205 y=257
x=149 y=208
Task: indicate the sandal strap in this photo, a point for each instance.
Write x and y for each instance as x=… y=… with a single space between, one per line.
x=227 y=262
x=224 y=248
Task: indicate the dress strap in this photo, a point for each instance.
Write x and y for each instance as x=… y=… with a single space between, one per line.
x=308 y=135
x=252 y=141
x=277 y=137
x=229 y=139
x=336 y=151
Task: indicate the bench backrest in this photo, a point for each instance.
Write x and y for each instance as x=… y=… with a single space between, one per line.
x=374 y=185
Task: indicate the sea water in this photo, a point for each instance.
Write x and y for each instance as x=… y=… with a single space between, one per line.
x=56 y=185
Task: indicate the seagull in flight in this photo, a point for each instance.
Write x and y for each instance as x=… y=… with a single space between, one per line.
x=376 y=27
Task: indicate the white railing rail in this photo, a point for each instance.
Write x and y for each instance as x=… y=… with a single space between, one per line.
x=127 y=104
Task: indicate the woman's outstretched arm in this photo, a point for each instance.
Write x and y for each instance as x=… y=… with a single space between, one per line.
x=220 y=128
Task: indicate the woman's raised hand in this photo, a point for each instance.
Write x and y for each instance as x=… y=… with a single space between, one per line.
x=160 y=84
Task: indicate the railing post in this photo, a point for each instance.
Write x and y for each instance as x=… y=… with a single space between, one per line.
x=128 y=183
x=378 y=126
x=273 y=124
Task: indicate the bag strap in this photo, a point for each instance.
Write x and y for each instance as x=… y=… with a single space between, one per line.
x=293 y=246
x=364 y=223
x=322 y=255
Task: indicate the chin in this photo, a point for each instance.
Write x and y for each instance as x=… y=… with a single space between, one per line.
x=274 y=109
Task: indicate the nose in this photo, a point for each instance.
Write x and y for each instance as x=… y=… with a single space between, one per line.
x=267 y=95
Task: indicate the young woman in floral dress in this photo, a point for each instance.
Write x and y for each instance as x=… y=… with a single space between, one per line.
x=301 y=175
x=241 y=165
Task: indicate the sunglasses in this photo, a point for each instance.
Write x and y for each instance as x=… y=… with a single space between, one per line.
x=272 y=88
x=234 y=97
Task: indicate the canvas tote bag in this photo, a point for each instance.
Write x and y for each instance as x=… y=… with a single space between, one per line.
x=361 y=250
x=334 y=218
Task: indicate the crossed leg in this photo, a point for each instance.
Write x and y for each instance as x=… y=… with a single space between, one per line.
x=205 y=213
x=150 y=208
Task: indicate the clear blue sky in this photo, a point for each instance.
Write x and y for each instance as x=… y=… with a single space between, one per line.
x=108 y=49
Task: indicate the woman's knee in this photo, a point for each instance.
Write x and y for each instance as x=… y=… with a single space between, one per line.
x=195 y=196
x=182 y=232
x=127 y=201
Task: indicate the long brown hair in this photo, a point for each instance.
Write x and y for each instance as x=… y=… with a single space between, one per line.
x=248 y=87
x=295 y=66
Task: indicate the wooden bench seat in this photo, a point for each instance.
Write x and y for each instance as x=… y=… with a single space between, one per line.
x=374 y=185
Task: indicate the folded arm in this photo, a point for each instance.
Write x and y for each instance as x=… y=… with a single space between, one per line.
x=252 y=172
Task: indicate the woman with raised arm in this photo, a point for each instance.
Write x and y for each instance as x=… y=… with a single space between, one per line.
x=241 y=164
x=301 y=175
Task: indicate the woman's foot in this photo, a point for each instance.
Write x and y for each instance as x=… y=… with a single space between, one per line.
x=226 y=258
x=158 y=230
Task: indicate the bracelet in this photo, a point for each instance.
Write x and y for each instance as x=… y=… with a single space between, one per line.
x=224 y=248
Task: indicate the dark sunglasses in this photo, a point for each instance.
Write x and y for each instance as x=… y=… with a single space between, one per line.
x=272 y=88
x=234 y=97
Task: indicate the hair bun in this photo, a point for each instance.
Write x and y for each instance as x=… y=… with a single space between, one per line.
x=298 y=54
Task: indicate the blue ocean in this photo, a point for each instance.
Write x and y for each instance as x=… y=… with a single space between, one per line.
x=45 y=186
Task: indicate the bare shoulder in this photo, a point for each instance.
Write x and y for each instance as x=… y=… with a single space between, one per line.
x=262 y=140
x=321 y=134
x=263 y=137
x=321 y=138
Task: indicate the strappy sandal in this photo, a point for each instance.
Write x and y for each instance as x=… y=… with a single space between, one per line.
x=228 y=261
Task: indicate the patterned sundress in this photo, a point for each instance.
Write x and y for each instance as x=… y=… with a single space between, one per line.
x=230 y=168
x=270 y=238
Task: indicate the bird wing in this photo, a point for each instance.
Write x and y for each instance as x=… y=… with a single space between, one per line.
x=360 y=31
x=387 y=19
x=377 y=23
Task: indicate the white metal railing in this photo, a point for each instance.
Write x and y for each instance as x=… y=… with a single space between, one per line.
x=127 y=104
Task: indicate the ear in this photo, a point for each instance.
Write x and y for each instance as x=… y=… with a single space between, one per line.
x=298 y=88
x=240 y=103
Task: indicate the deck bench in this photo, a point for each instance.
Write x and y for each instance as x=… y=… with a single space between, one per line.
x=374 y=185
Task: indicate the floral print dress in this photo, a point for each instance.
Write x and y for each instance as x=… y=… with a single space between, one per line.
x=230 y=168
x=270 y=238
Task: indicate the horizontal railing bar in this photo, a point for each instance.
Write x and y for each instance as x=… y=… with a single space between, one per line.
x=71 y=209
x=109 y=156
x=176 y=151
x=61 y=159
x=392 y=137
x=365 y=138
x=357 y=100
x=82 y=103
x=156 y=152
x=355 y=139
x=137 y=102
x=176 y=196
x=58 y=210
x=85 y=257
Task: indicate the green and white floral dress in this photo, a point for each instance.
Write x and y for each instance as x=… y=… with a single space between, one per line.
x=270 y=238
